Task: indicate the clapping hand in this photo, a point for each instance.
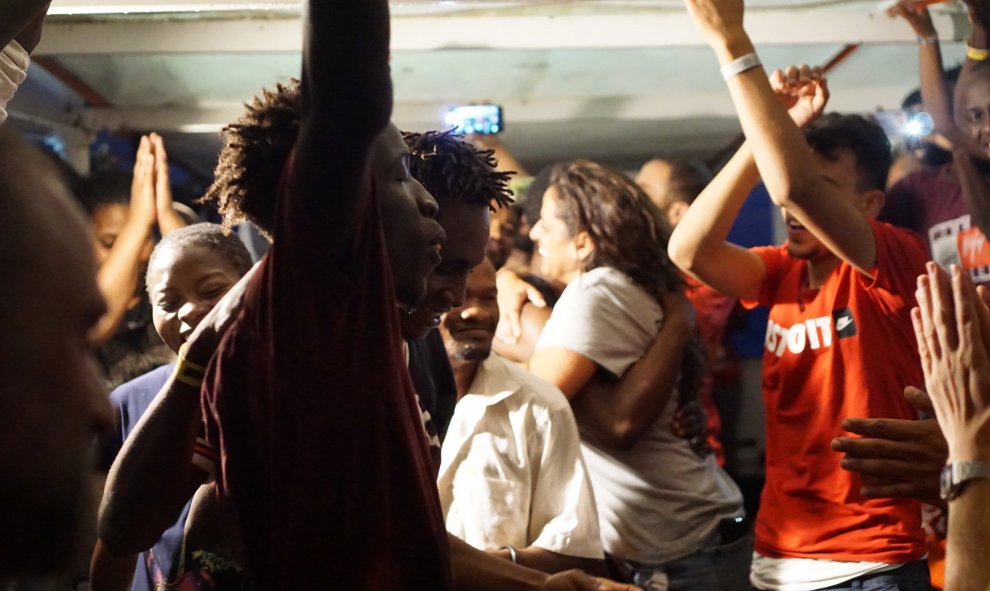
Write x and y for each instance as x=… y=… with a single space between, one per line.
x=803 y=91
x=952 y=325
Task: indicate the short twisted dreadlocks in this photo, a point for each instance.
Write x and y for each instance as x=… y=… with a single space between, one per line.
x=255 y=149
x=453 y=170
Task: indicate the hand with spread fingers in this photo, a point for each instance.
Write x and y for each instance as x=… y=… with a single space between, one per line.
x=952 y=325
x=896 y=457
x=803 y=91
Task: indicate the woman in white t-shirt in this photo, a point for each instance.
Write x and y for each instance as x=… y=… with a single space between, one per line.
x=669 y=517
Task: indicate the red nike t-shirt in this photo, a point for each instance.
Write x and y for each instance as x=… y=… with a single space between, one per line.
x=845 y=350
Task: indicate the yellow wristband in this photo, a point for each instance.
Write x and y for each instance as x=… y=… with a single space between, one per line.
x=976 y=54
x=182 y=359
x=186 y=379
x=187 y=372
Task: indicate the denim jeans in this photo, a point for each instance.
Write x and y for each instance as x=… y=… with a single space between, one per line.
x=715 y=568
x=913 y=576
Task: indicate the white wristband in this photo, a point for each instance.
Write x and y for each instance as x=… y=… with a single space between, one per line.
x=740 y=65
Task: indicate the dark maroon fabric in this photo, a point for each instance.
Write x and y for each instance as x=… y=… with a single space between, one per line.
x=929 y=201
x=324 y=460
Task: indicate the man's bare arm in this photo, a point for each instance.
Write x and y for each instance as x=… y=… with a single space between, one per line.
x=786 y=165
x=698 y=244
x=153 y=475
x=346 y=102
x=21 y=20
x=475 y=570
x=617 y=415
x=546 y=561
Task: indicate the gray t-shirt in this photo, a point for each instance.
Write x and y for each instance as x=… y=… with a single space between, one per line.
x=657 y=501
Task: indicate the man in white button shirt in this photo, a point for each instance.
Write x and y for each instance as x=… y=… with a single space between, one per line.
x=512 y=478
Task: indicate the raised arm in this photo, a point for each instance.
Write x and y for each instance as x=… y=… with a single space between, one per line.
x=346 y=102
x=118 y=275
x=698 y=244
x=786 y=165
x=22 y=20
x=952 y=326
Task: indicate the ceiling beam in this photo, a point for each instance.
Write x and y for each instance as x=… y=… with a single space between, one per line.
x=429 y=115
x=650 y=30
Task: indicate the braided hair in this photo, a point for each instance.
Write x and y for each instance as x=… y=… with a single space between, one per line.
x=452 y=169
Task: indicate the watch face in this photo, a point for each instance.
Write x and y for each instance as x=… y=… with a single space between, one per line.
x=955 y=475
x=945 y=483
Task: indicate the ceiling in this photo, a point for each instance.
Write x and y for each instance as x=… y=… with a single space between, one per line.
x=617 y=81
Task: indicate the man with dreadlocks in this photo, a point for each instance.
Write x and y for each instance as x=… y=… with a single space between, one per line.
x=320 y=460
x=464 y=181
x=325 y=478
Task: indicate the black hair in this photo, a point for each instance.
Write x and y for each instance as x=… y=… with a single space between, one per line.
x=206 y=235
x=453 y=170
x=254 y=153
x=688 y=178
x=105 y=188
x=863 y=137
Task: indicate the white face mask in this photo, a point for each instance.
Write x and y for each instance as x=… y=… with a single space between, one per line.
x=14 y=61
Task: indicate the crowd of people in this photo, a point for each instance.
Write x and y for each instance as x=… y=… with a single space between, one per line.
x=440 y=377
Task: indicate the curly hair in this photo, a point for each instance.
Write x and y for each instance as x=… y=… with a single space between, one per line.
x=255 y=150
x=630 y=235
x=453 y=170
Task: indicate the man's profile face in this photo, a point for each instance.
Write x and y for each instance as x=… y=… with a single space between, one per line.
x=466 y=227
x=412 y=237
x=52 y=402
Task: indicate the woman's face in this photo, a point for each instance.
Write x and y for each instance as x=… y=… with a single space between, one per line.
x=557 y=247
x=184 y=285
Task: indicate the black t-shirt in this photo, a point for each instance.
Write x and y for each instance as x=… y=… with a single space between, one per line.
x=433 y=379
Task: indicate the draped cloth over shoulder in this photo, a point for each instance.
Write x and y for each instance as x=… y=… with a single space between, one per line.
x=324 y=462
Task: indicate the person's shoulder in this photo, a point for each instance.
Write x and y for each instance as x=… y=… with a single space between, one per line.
x=903 y=237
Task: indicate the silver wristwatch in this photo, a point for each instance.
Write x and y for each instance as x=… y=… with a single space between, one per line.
x=957 y=474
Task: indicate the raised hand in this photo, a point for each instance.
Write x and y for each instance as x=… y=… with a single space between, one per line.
x=168 y=219
x=916 y=14
x=952 y=325
x=803 y=91
x=142 y=207
x=720 y=21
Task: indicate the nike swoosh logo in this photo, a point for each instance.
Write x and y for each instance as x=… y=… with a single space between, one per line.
x=842 y=323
